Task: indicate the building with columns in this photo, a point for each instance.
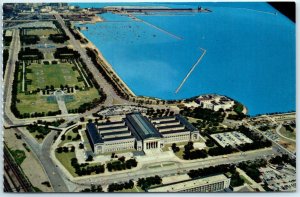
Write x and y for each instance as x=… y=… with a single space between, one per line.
x=137 y=132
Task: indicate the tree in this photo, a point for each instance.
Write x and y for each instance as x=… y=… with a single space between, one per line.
x=209 y=143
x=122 y=159
x=65 y=149
x=90 y=158
x=112 y=155
x=81 y=146
x=109 y=167
x=59 y=150
x=236 y=180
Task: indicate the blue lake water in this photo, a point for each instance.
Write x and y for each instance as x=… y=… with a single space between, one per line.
x=250 y=53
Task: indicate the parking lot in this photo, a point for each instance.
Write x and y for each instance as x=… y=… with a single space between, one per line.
x=121 y=110
x=231 y=138
x=279 y=178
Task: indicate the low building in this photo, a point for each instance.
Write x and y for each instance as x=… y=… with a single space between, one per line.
x=138 y=132
x=215 y=183
x=215 y=102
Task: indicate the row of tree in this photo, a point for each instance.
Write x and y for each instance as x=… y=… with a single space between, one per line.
x=40 y=129
x=220 y=169
x=93 y=55
x=258 y=141
x=121 y=164
x=28 y=39
x=65 y=149
x=280 y=160
x=120 y=186
x=30 y=54
x=146 y=183
x=5 y=59
x=215 y=151
x=66 y=53
x=85 y=169
x=36 y=114
x=189 y=153
x=76 y=35
x=58 y=38
x=93 y=188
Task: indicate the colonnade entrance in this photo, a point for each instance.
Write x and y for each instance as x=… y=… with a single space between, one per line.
x=151 y=145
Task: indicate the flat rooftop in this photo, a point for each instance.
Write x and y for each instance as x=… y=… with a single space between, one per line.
x=93 y=134
x=178 y=186
x=141 y=126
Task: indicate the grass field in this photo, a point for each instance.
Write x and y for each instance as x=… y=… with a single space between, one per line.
x=83 y=97
x=69 y=133
x=55 y=74
x=46 y=75
x=34 y=103
x=179 y=154
x=288 y=134
x=65 y=160
x=37 y=133
x=18 y=155
x=48 y=56
x=41 y=32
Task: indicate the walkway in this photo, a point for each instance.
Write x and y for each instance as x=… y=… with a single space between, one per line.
x=154 y=26
x=286 y=138
x=61 y=102
x=253 y=183
x=190 y=72
x=23 y=80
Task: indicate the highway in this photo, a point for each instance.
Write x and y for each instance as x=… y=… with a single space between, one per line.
x=107 y=88
x=179 y=168
x=10 y=70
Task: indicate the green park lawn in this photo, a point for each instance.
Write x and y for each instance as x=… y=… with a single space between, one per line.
x=46 y=75
x=53 y=74
x=82 y=97
x=40 y=140
x=65 y=160
x=48 y=56
x=179 y=154
x=18 y=155
x=41 y=32
x=288 y=134
x=69 y=133
x=34 y=103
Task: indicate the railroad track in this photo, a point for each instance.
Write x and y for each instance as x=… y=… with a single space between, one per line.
x=14 y=179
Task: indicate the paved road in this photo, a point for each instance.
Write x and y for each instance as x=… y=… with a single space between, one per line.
x=107 y=88
x=37 y=149
x=178 y=168
x=58 y=181
x=278 y=147
x=10 y=70
x=286 y=138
